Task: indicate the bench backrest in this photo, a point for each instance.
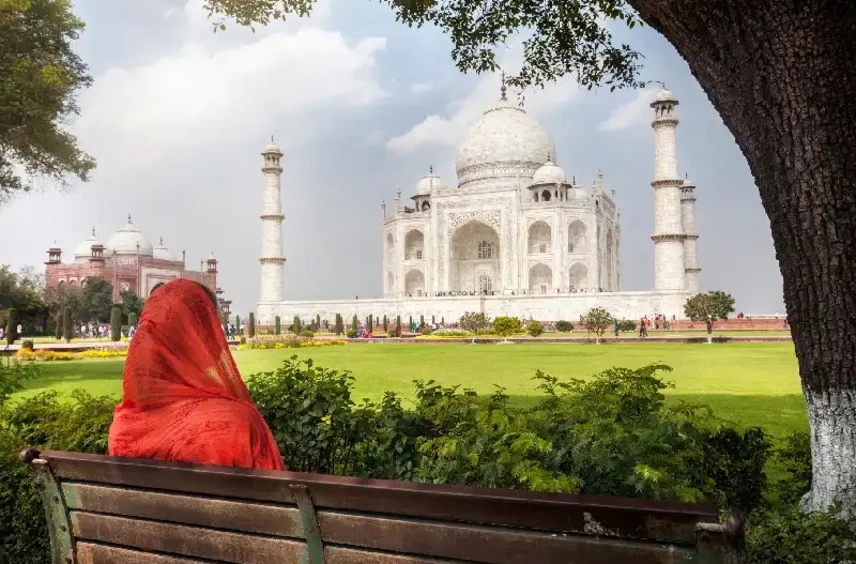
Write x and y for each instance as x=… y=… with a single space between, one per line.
x=105 y=510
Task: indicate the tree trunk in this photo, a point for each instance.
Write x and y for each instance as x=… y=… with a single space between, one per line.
x=781 y=75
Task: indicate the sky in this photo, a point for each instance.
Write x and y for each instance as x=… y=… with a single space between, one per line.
x=361 y=105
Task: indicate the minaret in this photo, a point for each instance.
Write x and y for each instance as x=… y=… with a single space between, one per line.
x=668 y=237
x=272 y=262
x=690 y=235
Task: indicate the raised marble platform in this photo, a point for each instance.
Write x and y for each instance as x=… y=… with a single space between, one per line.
x=543 y=307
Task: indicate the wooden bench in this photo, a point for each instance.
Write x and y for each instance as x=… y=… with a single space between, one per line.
x=109 y=510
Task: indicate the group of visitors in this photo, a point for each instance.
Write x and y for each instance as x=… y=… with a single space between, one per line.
x=231 y=331
x=18 y=333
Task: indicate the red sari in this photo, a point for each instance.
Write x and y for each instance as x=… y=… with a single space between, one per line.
x=183 y=398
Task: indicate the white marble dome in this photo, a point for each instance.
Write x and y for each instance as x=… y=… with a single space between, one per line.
x=272 y=148
x=84 y=250
x=549 y=173
x=125 y=241
x=161 y=251
x=505 y=141
x=428 y=183
x=688 y=182
x=664 y=96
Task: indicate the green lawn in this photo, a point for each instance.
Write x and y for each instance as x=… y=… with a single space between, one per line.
x=754 y=384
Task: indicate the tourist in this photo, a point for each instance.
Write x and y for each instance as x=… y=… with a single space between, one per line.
x=183 y=398
x=643 y=328
x=615 y=327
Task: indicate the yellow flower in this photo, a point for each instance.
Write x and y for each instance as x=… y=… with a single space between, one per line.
x=326 y=419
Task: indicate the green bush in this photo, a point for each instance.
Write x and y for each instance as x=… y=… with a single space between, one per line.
x=794 y=466
x=132 y=319
x=506 y=326
x=306 y=333
x=12 y=326
x=535 y=328
x=340 y=325
x=564 y=326
x=116 y=324
x=28 y=345
x=277 y=325
x=354 y=323
x=385 y=324
x=427 y=330
x=251 y=325
x=793 y=538
x=44 y=421
x=351 y=333
x=627 y=325
x=243 y=340
x=391 y=333
x=67 y=324
x=296 y=326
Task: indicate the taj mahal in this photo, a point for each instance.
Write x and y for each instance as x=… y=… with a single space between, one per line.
x=514 y=237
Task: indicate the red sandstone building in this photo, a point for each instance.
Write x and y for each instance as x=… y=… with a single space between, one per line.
x=128 y=261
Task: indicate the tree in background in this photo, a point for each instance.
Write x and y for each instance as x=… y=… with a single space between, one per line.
x=780 y=74
x=132 y=319
x=67 y=325
x=421 y=320
x=398 y=325
x=432 y=321
x=317 y=321
x=59 y=318
x=340 y=325
x=24 y=291
x=535 y=328
x=131 y=303
x=564 y=326
x=597 y=320
x=385 y=324
x=277 y=326
x=12 y=326
x=251 y=325
x=708 y=308
x=296 y=327
x=116 y=324
x=237 y=324
x=40 y=75
x=354 y=323
x=474 y=322
x=505 y=326
x=410 y=323
x=95 y=301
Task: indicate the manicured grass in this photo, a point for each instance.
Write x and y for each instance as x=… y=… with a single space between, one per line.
x=753 y=384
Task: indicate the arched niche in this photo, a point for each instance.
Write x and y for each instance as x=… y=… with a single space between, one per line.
x=577 y=234
x=414 y=283
x=474 y=251
x=414 y=245
x=540 y=238
x=578 y=277
x=540 y=279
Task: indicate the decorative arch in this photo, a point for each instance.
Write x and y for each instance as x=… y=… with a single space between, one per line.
x=546 y=196
x=578 y=277
x=414 y=283
x=540 y=279
x=540 y=238
x=390 y=245
x=414 y=245
x=577 y=237
x=426 y=206
x=474 y=253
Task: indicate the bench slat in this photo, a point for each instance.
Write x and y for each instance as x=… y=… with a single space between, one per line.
x=88 y=553
x=489 y=544
x=182 y=540
x=248 y=517
x=664 y=521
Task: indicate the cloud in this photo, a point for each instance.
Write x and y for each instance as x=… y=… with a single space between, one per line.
x=635 y=112
x=438 y=129
x=138 y=115
x=423 y=87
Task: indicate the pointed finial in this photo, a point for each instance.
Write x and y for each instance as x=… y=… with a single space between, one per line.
x=129 y=218
x=574 y=180
x=686 y=175
x=161 y=240
x=271 y=138
x=93 y=231
x=502 y=88
x=431 y=169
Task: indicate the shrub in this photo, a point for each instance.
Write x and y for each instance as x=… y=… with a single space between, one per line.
x=296 y=326
x=474 y=322
x=307 y=334
x=391 y=333
x=597 y=320
x=237 y=323
x=351 y=333
x=427 y=330
x=626 y=325
x=277 y=325
x=506 y=326
x=354 y=323
x=251 y=326
x=385 y=325
x=67 y=328
x=794 y=465
x=242 y=340
x=564 y=326
x=288 y=342
x=535 y=328
x=132 y=318
x=12 y=326
x=116 y=324
x=450 y=332
x=793 y=538
x=28 y=345
x=398 y=324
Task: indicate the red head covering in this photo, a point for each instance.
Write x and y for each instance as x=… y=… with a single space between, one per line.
x=184 y=399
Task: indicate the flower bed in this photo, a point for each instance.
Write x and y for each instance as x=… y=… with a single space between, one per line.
x=52 y=356
x=267 y=342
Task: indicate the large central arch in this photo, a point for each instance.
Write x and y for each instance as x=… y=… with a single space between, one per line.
x=474 y=258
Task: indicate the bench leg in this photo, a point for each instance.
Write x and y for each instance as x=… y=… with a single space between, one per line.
x=59 y=526
x=300 y=495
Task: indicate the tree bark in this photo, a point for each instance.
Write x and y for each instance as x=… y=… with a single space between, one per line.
x=781 y=75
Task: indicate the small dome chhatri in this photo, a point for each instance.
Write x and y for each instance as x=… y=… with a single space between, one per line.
x=162 y=252
x=84 y=249
x=272 y=148
x=429 y=183
x=549 y=173
x=129 y=241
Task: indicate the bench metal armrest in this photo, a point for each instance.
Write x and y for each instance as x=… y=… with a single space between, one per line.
x=56 y=512
x=723 y=542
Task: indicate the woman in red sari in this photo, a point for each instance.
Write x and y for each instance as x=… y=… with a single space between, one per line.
x=183 y=398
